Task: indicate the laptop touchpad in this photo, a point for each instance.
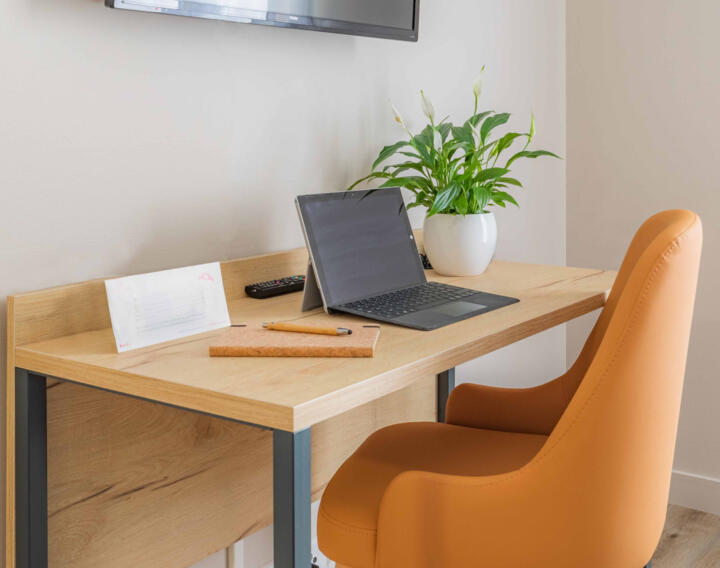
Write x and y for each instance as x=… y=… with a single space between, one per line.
x=455 y=309
x=442 y=315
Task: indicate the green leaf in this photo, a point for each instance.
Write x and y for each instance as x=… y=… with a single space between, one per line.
x=500 y=197
x=409 y=182
x=426 y=137
x=373 y=175
x=464 y=135
x=449 y=149
x=388 y=151
x=444 y=130
x=425 y=156
x=511 y=181
x=443 y=199
x=475 y=119
x=482 y=196
x=454 y=170
x=423 y=144
x=506 y=141
x=404 y=166
x=491 y=123
x=461 y=204
x=530 y=154
x=490 y=173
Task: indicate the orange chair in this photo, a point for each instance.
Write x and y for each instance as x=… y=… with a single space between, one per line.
x=571 y=474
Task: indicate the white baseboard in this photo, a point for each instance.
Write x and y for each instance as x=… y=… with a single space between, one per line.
x=695 y=491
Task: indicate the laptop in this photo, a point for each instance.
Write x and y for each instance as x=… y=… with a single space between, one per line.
x=364 y=261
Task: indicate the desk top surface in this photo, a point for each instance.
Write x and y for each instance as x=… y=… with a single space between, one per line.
x=294 y=393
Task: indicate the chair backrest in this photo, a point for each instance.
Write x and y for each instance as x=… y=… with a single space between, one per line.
x=651 y=236
x=610 y=455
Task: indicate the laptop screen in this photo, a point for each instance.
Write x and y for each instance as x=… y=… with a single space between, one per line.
x=360 y=247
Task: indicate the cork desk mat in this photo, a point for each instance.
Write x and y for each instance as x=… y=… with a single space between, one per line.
x=255 y=341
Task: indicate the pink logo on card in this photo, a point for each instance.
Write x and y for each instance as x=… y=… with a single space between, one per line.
x=206 y=276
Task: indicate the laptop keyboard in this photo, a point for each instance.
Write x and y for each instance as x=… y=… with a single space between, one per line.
x=408 y=300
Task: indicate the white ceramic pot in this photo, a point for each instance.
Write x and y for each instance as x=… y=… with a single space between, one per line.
x=460 y=245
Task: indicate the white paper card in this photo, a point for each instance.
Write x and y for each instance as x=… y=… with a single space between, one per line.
x=160 y=306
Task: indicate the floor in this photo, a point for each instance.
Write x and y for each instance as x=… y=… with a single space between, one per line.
x=691 y=540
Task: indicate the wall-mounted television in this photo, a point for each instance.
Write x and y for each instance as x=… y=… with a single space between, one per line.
x=391 y=19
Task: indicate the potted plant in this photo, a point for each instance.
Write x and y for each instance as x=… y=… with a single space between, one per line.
x=458 y=173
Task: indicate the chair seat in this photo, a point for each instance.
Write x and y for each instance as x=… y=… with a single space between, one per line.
x=347 y=521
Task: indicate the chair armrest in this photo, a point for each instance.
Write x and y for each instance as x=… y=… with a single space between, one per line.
x=533 y=410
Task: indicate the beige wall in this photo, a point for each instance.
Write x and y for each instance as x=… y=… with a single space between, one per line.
x=644 y=135
x=135 y=142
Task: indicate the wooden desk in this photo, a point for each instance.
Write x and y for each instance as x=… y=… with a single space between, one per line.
x=62 y=336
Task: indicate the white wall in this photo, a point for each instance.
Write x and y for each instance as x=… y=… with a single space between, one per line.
x=643 y=123
x=135 y=142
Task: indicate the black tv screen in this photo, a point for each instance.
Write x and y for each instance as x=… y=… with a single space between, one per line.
x=392 y=19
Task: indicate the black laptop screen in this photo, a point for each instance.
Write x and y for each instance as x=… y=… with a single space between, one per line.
x=360 y=247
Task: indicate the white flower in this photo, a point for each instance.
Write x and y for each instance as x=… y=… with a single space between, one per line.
x=398 y=118
x=478 y=84
x=427 y=107
x=477 y=87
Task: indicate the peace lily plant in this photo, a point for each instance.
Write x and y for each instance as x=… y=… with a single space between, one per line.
x=457 y=173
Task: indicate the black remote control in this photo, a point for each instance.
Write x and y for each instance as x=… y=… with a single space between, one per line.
x=272 y=288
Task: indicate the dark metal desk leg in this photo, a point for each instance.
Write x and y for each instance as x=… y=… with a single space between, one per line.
x=31 y=521
x=445 y=383
x=291 y=499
